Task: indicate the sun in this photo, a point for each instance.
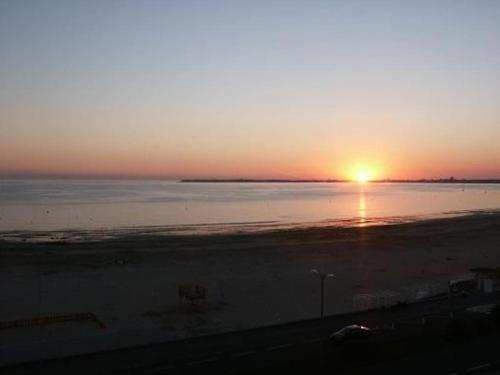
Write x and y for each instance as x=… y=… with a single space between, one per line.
x=362 y=176
x=362 y=173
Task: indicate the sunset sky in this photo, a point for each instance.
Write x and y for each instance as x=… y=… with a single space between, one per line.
x=254 y=89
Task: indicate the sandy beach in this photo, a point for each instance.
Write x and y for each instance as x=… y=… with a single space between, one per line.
x=131 y=281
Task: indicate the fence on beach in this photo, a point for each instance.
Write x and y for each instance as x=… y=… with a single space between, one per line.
x=387 y=298
x=46 y=320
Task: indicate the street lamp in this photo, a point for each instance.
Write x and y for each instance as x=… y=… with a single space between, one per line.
x=322 y=277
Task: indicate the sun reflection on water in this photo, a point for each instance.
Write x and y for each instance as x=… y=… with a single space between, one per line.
x=362 y=208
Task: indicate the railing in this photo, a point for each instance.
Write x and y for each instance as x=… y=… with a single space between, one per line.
x=45 y=320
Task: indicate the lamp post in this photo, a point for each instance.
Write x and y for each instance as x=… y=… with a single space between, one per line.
x=322 y=277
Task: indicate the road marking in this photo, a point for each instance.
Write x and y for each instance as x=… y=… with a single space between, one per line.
x=202 y=361
x=475 y=368
x=279 y=347
x=244 y=354
x=478 y=367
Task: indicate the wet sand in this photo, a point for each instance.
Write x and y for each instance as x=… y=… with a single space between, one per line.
x=130 y=281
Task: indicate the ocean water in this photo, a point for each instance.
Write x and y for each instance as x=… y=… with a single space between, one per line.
x=51 y=205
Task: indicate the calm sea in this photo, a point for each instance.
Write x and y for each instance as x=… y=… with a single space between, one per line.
x=202 y=207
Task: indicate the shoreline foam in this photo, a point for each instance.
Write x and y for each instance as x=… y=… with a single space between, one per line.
x=207 y=229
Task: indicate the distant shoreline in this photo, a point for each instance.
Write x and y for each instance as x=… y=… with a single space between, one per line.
x=420 y=181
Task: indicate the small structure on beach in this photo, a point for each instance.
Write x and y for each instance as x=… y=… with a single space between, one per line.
x=191 y=293
x=487 y=279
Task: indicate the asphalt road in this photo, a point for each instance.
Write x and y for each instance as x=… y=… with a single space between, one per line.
x=265 y=347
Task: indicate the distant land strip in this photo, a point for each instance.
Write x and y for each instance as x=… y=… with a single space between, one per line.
x=440 y=181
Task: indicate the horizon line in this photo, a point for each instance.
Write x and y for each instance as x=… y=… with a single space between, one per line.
x=41 y=176
x=387 y=180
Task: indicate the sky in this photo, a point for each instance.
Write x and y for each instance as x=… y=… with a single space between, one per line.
x=250 y=89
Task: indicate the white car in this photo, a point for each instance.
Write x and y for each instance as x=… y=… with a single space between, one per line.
x=351 y=332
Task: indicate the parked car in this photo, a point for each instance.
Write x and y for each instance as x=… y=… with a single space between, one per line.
x=351 y=332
